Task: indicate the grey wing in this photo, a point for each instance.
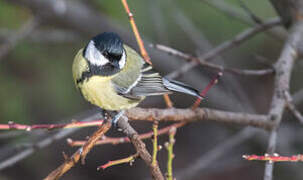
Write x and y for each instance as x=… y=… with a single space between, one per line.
x=149 y=83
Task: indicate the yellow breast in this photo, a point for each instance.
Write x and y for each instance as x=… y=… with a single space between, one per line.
x=100 y=92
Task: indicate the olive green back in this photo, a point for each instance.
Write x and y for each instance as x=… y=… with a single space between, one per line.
x=131 y=72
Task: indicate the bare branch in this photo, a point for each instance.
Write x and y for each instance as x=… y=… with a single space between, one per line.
x=283 y=68
x=199 y=114
x=227 y=45
x=80 y=153
x=291 y=106
x=204 y=63
x=237 y=14
x=140 y=148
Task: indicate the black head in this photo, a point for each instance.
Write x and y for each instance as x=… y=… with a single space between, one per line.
x=105 y=53
x=109 y=44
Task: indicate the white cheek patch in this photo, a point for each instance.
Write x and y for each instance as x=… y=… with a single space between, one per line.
x=122 y=60
x=94 y=56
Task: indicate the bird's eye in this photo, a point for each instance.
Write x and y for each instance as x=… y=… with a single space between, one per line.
x=114 y=56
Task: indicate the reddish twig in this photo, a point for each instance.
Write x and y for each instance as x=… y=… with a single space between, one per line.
x=274 y=158
x=80 y=153
x=136 y=32
x=143 y=51
x=129 y=159
x=121 y=140
x=15 y=126
x=204 y=92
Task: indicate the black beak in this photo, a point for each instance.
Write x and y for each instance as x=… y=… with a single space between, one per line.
x=115 y=63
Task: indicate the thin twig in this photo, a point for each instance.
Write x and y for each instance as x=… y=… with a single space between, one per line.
x=15 y=126
x=205 y=90
x=227 y=45
x=141 y=45
x=129 y=159
x=196 y=60
x=237 y=14
x=170 y=153
x=155 y=142
x=274 y=158
x=121 y=140
x=140 y=148
x=240 y=38
x=41 y=144
x=291 y=106
x=80 y=153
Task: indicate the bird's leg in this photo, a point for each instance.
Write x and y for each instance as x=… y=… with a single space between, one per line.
x=116 y=117
x=112 y=116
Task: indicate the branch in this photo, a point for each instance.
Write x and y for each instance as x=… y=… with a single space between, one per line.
x=196 y=60
x=199 y=114
x=122 y=140
x=170 y=150
x=129 y=159
x=283 y=68
x=275 y=158
x=42 y=144
x=14 y=126
x=237 y=14
x=291 y=106
x=80 y=153
x=155 y=142
x=227 y=45
x=141 y=45
x=241 y=37
x=140 y=148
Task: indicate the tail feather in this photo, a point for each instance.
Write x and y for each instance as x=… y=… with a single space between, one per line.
x=180 y=87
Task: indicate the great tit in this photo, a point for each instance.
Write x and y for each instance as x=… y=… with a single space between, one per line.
x=114 y=77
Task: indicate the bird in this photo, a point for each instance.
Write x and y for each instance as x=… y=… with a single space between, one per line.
x=114 y=77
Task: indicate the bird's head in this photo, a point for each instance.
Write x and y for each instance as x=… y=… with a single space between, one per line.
x=105 y=51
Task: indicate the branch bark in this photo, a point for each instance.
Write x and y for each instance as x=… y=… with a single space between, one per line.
x=140 y=148
x=283 y=69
